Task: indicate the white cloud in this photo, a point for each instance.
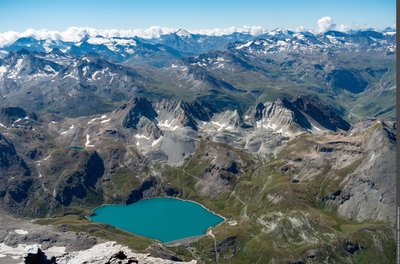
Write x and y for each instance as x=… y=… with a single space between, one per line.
x=77 y=33
x=253 y=30
x=300 y=29
x=325 y=24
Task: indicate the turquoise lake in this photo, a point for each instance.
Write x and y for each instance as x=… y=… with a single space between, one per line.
x=165 y=219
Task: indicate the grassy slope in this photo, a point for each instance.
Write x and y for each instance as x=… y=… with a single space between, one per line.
x=325 y=232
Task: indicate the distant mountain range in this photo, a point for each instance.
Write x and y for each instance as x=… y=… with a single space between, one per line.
x=231 y=69
x=186 y=42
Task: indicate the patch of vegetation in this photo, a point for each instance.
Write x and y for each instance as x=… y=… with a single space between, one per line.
x=122 y=184
x=342 y=172
x=375 y=248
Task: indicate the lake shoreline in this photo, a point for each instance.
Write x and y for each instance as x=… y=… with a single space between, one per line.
x=159 y=197
x=176 y=242
x=183 y=241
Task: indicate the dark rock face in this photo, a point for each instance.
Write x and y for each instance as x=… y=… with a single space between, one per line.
x=77 y=184
x=228 y=247
x=13 y=112
x=72 y=187
x=120 y=255
x=138 y=108
x=186 y=114
x=351 y=247
x=19 y=191
x=94 y=169
x=259 y=111
x=312 y=106
x=227 y=244
x=140 y=193
x=197 y=110
x=10 y=162
x=160 y=251
x=121 y=258
x=298 y=117
x=390 y=129
x=170 y=191
x=39 y=258
x=16 y=116
x=347 y=80
x=10 y=114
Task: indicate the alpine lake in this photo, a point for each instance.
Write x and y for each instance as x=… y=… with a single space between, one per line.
x=164 y=219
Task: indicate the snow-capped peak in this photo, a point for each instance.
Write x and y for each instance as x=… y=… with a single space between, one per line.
x=183 y=33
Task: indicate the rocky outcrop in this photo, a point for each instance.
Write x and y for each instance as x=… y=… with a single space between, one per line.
x=160 y=251
x=181 y=113
x=38 y=257
x=25 y=241
x=146 y=190
x=112 y=253
x=228 y=247
x=148 y=128
x=303 y=113
x=16 y=116
x=11 y=164
x=83 y=180
x=369 y=188
x=15 y=180
x=358 y=167
x=137 y=108
x=281 y=115
x=223 y=170
x=320 y=112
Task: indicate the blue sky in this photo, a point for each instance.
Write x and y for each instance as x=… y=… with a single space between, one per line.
x=19 y=15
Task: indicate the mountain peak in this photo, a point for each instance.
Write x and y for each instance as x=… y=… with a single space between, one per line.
x=183 y=33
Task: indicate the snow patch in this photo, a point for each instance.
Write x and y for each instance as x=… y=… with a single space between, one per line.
x=232 y=223
x=16 y=69
x=168 y=125
x=155 y=142
x=316 y=128
x=49 y=69
x=87 y=144
x=245 y=45
x=21 y=232
x=3 y=69
x=141 y=136
x=222 y=126
x=97 y=118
